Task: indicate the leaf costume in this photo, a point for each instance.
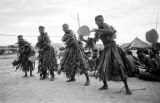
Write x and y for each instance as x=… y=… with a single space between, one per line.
x=47 y=57
x=25 y=51
x=113 y=60
x=75 y=60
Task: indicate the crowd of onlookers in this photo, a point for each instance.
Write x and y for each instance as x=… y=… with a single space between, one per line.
x=147 y=62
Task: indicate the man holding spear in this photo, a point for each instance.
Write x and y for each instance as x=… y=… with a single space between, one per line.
x=112 y=58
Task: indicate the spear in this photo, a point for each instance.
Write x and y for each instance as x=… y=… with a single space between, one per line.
x=157 y=21
x=78 y=20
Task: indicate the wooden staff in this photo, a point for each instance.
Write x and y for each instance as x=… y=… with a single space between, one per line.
x=121 y=90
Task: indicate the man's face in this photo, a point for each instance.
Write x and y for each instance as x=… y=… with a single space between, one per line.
x=20 y=38
x=41 y=30
x=65 y=28
x=100 y=21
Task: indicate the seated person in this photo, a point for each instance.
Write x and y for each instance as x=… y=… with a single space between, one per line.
x=143 y=58
x=133 y=58
x=153 y=71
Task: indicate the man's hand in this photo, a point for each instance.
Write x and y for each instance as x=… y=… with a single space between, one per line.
x=94 y=30
x=80 y=36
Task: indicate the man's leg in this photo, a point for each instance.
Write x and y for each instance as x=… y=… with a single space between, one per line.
x=72 y=79
x=43 y=74
x=124 y=79
x=31 y=73
x=25 y=74
x=52 y=75
x=31 y=69
x=87 y=79
x=105 y=85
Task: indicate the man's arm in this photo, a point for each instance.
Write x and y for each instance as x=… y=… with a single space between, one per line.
x=96 y=37
x=72 y=34
x=37 y=44
x=107 y=29
x=48 y=41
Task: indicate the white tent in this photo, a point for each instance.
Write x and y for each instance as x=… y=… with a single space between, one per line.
x=137 y=43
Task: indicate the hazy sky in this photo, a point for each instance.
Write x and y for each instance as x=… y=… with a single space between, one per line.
x=131 y=18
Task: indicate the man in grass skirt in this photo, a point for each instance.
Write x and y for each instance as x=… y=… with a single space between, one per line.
x=112 y=60
x=47 y=58
x=25 y=51
x=74 y=61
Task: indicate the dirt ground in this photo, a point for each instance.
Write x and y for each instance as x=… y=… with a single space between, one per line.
x=15 y=89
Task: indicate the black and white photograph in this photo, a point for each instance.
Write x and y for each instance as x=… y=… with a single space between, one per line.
x=79 y=51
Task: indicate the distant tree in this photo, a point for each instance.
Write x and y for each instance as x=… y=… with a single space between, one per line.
x=13 y=48
x=2 y=51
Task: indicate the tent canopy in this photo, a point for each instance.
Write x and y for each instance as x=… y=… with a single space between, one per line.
x=135 y=44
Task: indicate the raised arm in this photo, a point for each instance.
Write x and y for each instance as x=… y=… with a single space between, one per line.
x=107 y=29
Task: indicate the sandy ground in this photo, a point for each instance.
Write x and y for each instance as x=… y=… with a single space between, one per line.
x=15 y=89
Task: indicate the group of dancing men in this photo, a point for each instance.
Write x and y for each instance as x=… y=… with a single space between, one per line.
x=75 y=61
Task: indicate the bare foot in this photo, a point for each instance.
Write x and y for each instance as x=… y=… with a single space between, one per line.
x=31 y=75
x=25 y=76
x=71 y=80
x=128 y=92
x=52 y=79
x=42 y=78
x=103 y=88
x=87 y=83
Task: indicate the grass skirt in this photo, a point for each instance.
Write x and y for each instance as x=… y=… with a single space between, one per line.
x=23 y=63
x=74 y=61
x=47 y=60
x=112 y=62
